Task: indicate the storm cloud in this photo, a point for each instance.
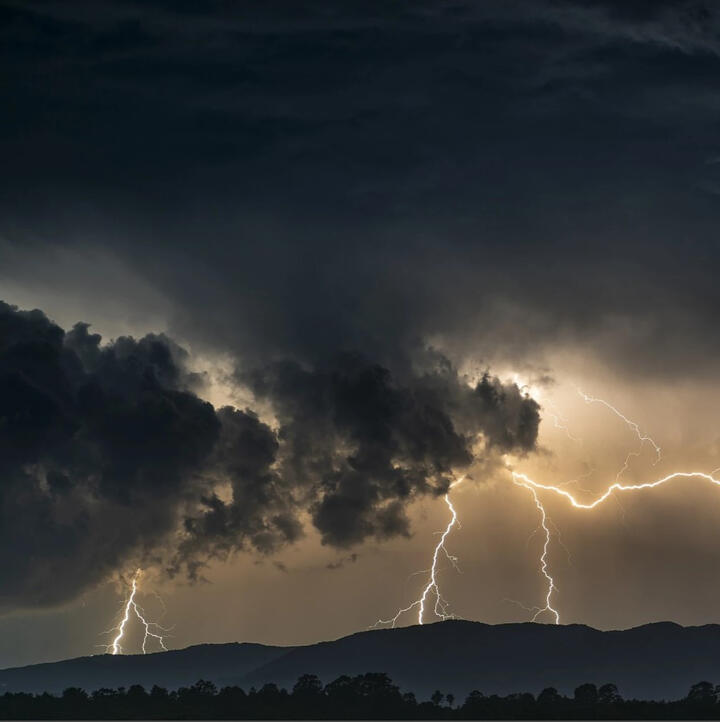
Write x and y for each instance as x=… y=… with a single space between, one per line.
x=354 y=446
x=109 y=457
x=100 y=446
x=505 y=178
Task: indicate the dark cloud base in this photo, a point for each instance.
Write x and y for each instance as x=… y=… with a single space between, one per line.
x=109 y=457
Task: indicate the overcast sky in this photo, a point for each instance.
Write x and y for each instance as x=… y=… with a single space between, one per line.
x=326 y=259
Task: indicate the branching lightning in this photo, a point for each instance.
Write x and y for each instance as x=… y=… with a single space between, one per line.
x=534 y=487
x=524 y=480
x=441 y=607
x=544 y=556
x=152 y=630
x=617 y=486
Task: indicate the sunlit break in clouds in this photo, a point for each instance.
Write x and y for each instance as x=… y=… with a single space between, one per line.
x=325 y=317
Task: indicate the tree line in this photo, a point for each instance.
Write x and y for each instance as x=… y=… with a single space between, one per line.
x=366 y=696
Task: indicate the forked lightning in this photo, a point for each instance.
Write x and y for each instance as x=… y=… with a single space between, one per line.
x=152 y=630
x=617 y=486
x=441 y=607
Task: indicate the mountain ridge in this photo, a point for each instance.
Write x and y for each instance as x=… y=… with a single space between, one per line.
x=659 y=660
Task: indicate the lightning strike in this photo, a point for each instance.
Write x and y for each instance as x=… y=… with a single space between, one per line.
x=544 y=556
x=152 y=630
x=441 y=607
x=524 y=480
x=534 y=486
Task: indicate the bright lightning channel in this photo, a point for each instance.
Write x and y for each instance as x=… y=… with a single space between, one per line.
x=533 y=487
x=441 y=607
x=524 y=480
x=152 y=629
x=544 y=556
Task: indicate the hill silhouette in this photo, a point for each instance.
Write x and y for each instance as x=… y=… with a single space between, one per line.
x=654 y=661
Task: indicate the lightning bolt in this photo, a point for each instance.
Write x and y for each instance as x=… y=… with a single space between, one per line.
x=152 y=630
x=441 y=608
x=544 y=556
x=533 y=487
x=524 y=480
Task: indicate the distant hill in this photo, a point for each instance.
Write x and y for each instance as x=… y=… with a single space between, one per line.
x=654 y=661
x=172 y=669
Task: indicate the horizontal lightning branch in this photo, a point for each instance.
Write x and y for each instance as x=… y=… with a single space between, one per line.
x=524 y=480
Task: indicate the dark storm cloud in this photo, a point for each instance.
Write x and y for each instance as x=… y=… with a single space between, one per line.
x=364 y=443
x=510 y=177
x=354 y=446
x=685 y=25
x=98 y=447
x=107 y=457
x=262 y=512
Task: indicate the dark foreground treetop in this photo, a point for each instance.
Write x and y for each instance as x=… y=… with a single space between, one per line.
x=366 y=696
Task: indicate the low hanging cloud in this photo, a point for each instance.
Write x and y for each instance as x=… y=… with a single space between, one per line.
x=354 y=446
x=99 y=448
x=109 y=457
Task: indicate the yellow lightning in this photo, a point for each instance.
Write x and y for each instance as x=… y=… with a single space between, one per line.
x=132 y=607
x=441 y=607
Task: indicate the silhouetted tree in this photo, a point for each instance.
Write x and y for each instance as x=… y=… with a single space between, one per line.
x=549 y=703
x=608 y=694
x=474 y=705
x=702 y=693
x=309 y=695
x=586 y=695
x=365 y=696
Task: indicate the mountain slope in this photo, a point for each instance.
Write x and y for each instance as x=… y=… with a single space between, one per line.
x=167 y=669
x=653 y=661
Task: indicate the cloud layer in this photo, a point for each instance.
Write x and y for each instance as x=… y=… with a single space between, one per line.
x=507 y=177
x=109 y=458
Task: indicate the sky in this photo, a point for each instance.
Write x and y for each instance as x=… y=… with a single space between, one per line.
x=275 y=275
